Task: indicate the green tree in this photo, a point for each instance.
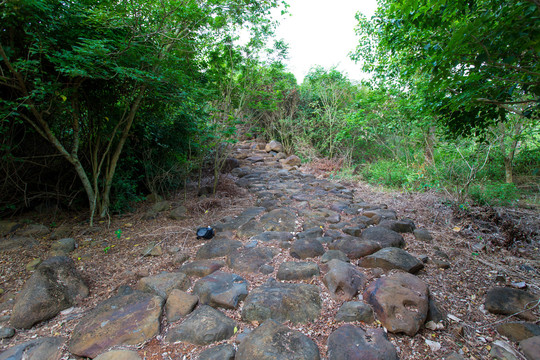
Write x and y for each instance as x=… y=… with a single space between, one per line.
x=79 y=72
x=478 y=61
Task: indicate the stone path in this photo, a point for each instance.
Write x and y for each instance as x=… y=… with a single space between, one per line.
x=319 y=227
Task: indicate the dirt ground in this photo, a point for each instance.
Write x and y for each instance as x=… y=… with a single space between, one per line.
x=109 y=258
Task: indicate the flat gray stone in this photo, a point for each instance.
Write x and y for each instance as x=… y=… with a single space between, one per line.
x=385 y=237
x=162 y=284
x=343 y=277
x=298 y=303
x=355 y=311
x=200 y=268
x=531 y=348
x=250 y=260
x=203 y=326
x=295 y=270
x=217 y=248
x=355 y=248
x=306 y=248
x=221 y=289
x=517 y=331
x=48 y=348
x=219 y=352
x=392 y=258
x=272 y=341
x=119 y=355
x=349 y=342
x=334 y=254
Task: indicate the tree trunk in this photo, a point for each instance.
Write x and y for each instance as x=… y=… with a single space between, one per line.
x=508 y=170
x=430 y=142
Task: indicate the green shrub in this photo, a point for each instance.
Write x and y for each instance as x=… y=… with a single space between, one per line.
x=387 y=173
x=495 y=194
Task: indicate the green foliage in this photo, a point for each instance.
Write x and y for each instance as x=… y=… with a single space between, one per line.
x=473 y=62
x=495 y=194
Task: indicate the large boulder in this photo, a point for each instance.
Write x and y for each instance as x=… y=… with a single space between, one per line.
x=349 y=342
x=343 y=277
x=508 y=301
x=221 y=289
x=298 y=303
x=130 y=318
x=203 y=326
x=272 y=341
x=400 y=302
x=55 y=285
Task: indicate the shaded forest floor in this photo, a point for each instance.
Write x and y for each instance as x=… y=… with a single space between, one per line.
x=486 y=247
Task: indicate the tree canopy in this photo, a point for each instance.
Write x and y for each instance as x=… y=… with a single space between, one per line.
x=473 y=61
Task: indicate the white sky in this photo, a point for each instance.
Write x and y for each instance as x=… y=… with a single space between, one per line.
x=321 y=32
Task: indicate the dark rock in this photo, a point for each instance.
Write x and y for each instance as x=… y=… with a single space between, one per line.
x=269 y=236
x=400 y=226
x=32 y=265
x=355 y=248
x=440 y=263
x=203 y=326
x=64 y=245
x=355 y=311
x=531 y=348
x=392 y=258
x=434 y=312
x=250 y=260
x=508 y=301
x=266 y=269
x=517 y=331
x=6 y=332
x=312 y=233
x=229 y=164
x=422 y=235
x=293 y=270
x=272 y=341
x=400 y=302
x=306 y=248
x=274 y=146
x=126 y=319
x=162 y=284
x=383 y=213
x=219 y=352
x=200 y=268
x=279 y=220
x=334 y=254
x=349 y=342
x=385 y=237
x=217 y=248
x=298 y=303
x=221 y=289
x=17 y=242
x=179 y=304
x=55 y=285
x=355 y=231
x=343 y=277
x=8 y=226
x=48 y=348
x=63 y=231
